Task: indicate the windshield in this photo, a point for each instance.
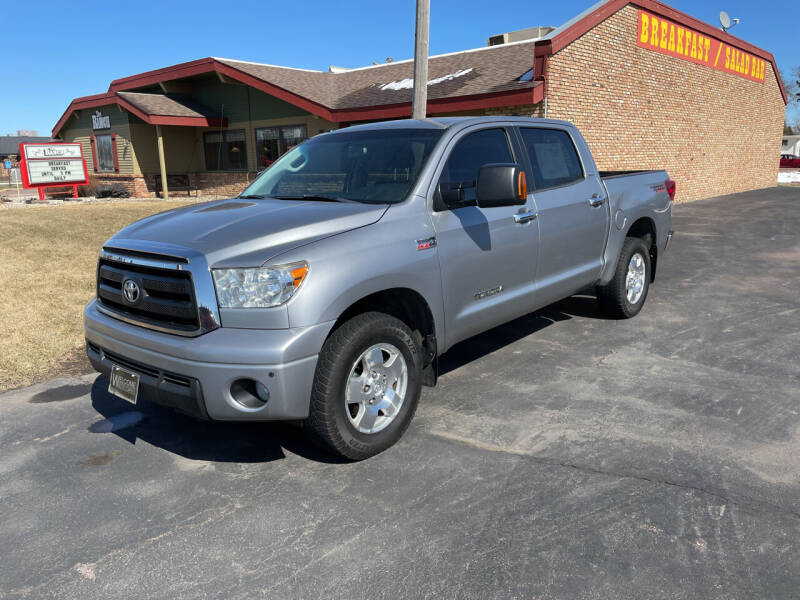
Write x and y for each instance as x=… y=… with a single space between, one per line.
x=378 y=167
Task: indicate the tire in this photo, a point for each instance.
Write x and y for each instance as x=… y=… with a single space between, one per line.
x=371 y=422
x=615 y=298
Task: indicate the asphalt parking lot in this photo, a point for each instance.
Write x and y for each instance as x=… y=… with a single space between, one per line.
x=562 y=455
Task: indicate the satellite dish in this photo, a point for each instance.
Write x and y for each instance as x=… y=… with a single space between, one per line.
x=724 y=20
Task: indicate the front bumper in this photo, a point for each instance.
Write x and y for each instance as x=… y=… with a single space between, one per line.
x=194 y=375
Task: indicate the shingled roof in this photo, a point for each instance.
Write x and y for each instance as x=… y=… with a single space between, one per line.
x=490 y=76
x=472 y=72
x=167 y=105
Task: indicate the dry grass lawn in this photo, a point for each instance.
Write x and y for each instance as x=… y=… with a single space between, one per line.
x=48 y=258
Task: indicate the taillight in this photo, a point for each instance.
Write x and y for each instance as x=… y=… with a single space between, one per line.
x=670 y=185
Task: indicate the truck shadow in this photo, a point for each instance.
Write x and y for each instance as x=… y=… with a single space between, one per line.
x=221 y=441
x=583 y=305
x=217 y=441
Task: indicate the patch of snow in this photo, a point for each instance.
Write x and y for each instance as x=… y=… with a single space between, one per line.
x=408 y=83
x=786 y=176
x=403 y=84
x=450 y=76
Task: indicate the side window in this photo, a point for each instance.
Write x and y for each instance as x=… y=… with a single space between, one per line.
x=554 y=158
x=469 y=155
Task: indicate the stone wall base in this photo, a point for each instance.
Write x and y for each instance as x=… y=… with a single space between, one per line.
x=135 y=184
x=205 y=184
x=201 y=184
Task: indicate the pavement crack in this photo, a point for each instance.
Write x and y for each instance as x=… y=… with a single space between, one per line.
x=745 y=501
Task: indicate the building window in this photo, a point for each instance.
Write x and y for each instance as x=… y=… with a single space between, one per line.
x=271 y=142
x=104 y=147
x=225 y=150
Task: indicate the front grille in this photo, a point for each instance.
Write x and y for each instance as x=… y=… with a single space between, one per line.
x=147 y=255
x=166 y=296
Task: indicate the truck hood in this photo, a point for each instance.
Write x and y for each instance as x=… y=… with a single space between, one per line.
x=246 y=233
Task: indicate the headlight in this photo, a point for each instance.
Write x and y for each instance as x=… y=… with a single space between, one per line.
x=260 y=287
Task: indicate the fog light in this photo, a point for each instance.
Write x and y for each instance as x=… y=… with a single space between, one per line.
x=249 y=393
x=262 y=391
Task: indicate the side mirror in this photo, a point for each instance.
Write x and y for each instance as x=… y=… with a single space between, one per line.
x=452 y=194
x=501 y=184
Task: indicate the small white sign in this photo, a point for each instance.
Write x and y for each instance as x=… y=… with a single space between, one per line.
x=55 y=171
x=100 y=121
x=52 y=151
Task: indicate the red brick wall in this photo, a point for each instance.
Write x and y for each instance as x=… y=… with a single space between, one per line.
x=204 y=184
x=714 y=132
x=135 y=184
x=222 y=184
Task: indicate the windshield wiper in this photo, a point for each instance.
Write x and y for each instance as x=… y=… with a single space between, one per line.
x=314 y=197
x=252 y=197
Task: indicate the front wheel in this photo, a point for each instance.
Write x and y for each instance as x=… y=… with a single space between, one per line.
x=366 y=386
x=624 y=296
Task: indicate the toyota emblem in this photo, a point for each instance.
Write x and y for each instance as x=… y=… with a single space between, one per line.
x=130 y=290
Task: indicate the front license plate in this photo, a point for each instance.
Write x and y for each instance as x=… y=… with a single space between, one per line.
x=124 y=384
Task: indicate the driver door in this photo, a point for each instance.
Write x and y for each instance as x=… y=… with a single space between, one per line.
x=487 y=259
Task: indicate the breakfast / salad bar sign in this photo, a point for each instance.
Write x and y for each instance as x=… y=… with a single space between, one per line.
x=682 y=42
x=52 y=165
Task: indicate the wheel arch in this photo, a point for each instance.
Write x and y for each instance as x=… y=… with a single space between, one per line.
x=409 y=306
x=644 y=228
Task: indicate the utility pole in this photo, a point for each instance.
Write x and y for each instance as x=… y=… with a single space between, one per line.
x=420 y=104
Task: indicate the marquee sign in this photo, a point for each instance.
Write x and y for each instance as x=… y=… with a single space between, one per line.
x=667 y=37
x=52 y=165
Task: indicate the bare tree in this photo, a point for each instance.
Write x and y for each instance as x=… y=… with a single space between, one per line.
x=791 y=81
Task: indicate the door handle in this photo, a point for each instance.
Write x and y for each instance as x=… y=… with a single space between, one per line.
x=525 y=217
x=597 y=199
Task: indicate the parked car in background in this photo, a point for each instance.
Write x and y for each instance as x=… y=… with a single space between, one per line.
x=326 y=291
x=790 y=161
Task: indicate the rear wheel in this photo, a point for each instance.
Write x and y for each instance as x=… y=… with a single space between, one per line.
x=366 y=386
x=624 y=296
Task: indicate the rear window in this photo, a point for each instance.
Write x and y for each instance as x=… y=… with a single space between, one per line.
x=554 y=159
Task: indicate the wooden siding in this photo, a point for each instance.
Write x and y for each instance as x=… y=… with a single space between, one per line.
x=183 y=146
x=183 y=150
x=239 y=103
x=79 y=129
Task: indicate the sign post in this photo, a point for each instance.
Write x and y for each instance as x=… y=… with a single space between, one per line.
x=52 y=165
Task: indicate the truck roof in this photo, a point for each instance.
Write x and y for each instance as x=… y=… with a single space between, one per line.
x=446 y=123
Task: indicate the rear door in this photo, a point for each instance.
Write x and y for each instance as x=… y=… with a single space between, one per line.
x=573 y=212
x=488 y=259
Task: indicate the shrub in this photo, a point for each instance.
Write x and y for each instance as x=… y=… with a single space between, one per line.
x=90 y=190
x=112 y=190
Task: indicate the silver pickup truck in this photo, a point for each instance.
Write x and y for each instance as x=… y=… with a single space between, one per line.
x=326 y=291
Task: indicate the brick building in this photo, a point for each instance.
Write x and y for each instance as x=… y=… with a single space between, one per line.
x=649 y=86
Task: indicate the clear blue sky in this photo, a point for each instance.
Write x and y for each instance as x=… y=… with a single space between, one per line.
x=55 y=51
